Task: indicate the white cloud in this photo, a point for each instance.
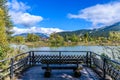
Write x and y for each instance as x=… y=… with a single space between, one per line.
x=48 y=31
x=100 y=14
x=20 y=16
x=25 y=19
x=17 y=6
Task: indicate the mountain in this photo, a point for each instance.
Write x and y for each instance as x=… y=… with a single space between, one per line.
x=78 y=32
x=114 y=27
x=39 y=34
x=104 y=31
x=100 y=32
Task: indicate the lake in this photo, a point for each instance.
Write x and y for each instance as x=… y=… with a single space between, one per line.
x=108 y=50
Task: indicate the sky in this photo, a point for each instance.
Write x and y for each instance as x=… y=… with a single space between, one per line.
x=50 y=16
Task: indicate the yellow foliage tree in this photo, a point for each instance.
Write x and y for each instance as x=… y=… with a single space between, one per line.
x=3 y=37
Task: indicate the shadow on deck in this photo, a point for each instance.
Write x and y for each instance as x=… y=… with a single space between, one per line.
x=36 y=73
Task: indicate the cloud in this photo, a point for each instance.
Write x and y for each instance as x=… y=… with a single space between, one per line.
x=25 y=19
x=100 y=14
x=20 y=16
x=17 y=6
x=48 y=31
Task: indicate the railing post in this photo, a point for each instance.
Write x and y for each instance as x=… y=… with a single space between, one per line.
x=11 y=68
x=77 y=63
x=60 y=57
x=33 y=58
x=30 y=58
x=90 y=59
x=87 y=58
x=104 y=68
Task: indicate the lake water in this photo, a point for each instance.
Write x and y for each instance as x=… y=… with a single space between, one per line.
x=108 y=50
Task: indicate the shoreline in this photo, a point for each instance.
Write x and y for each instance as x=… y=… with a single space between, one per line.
x=43 y=44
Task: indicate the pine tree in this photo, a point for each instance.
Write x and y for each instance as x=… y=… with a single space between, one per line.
x=86 y=37
x=56 y=40
x=32 y=38
x=8 y=22
x=74 y=38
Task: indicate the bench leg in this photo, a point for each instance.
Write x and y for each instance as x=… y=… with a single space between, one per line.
x=77 y=73
x=47 y=73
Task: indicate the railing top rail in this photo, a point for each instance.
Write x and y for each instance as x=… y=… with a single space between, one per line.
x=115 y=61
x=4 y=60
x=95 y=53
x=13 y=57
x=21 y=54
x=107 y=58
x=56 y=51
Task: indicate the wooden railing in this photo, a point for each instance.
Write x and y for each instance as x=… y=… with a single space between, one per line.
x=12 y=66
x=105 y=66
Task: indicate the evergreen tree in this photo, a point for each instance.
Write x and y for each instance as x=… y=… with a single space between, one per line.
x=32 y=38
x=19 y=39
x=74 y=38
x=56 y=40
x=86 y=37
x=8 y=22
x=59 y=40
x=66 y=38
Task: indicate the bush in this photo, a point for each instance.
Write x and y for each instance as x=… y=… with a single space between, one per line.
x=32 y=38
x=18 y=39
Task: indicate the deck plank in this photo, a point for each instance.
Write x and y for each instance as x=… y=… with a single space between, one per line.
x=36 y=73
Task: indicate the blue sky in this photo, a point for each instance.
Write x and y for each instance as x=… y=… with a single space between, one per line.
x=47 y=16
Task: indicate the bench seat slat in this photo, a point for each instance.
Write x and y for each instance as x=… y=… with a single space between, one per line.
x=60 y=67
x=62 y=61
x=72 y=66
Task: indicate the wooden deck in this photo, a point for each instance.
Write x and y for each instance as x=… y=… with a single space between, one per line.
x=36 y=73
x=31 y=62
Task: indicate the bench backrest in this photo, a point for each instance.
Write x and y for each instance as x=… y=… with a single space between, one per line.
x=64 y=59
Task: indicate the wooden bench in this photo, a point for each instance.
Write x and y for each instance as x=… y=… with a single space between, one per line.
x=63 y=62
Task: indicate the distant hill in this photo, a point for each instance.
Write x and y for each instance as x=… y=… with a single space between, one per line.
x=100 y=32
x=39 y=34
